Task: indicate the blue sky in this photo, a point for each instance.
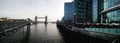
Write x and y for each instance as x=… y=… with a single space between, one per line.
x=22 y=9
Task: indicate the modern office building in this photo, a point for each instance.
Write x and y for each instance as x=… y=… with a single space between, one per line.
x=83 y=11
x=95 y=11
x=109 y=11
x=68 y=12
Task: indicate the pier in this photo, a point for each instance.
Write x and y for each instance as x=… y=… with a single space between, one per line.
x=7 y=29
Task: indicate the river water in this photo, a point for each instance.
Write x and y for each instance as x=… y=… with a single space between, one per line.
x=39 y=33
x=49 y=33
x=42 y=33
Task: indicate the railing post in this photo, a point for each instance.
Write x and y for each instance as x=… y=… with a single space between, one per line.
x=1 y=29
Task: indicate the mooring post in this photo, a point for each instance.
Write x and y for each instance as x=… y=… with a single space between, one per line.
x=46 y=20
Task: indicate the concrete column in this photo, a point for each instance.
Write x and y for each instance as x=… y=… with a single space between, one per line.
x=101 y=18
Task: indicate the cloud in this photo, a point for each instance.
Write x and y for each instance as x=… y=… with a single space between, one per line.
x=30 y=8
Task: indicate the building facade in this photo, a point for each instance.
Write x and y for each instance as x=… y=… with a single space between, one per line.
x=95 y=11
x=83 y=11
x=68 y=12
x=109 y=11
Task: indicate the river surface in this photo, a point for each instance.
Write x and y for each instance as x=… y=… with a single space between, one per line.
x=49 y=33
x=42 y=33
x=39 y=33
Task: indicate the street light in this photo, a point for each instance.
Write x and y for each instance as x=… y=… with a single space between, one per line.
x=74 y=18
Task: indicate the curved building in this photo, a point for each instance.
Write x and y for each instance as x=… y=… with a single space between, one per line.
x=110 y=12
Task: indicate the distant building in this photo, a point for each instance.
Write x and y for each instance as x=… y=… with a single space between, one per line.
x=83 y=11
x=12 y=20
x=109 y=11
x=17 y=20
x=68 y=12
x=4 y=19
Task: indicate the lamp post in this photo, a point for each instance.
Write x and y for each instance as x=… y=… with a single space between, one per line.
x=74 y=19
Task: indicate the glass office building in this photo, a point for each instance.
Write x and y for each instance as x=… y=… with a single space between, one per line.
x=68 y=12
x=95 y=11
x=83 y=11
x=111 y=11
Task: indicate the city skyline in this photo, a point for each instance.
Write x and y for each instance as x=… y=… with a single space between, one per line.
x=23 y=9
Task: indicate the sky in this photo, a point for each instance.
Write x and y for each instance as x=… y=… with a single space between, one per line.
x=22 y=9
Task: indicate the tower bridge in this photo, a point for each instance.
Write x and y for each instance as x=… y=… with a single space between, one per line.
x=36 y=19
x=46 y=20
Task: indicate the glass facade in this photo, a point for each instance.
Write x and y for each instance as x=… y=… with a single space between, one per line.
x=110 y=3
x=95 y=9
x=113 y=16
x=100 y=5
x=105 y=30
x=68 y=12
x=83 y=11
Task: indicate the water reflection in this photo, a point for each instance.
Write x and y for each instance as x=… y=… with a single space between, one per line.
x=42 y=33
x=27 y=35
x=35 y=25
x=45 y=28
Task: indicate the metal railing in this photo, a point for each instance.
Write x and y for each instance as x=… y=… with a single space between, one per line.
x=8 y=28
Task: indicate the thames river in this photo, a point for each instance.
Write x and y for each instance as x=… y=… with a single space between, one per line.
x=42 y=33
x=49 y=33
x=39 y=33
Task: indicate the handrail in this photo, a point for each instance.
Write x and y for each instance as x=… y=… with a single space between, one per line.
x=116 y=39
x=109 y=36
x=8 y=30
